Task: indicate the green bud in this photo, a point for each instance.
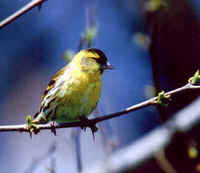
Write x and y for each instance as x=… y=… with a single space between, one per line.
x=195 y=80
x=90 y=34
x=193 y=152
x=155 y=5
x=29 y=120
x=31 y=126
x=163 y=99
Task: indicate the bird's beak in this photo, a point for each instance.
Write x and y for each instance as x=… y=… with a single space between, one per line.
x=109 y=66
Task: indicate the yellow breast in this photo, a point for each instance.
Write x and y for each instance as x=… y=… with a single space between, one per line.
x=79 y=97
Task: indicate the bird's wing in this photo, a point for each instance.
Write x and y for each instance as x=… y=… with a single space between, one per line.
x=53 y=81
x=52 y=88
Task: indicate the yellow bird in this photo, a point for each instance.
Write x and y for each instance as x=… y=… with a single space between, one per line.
x=74 y=91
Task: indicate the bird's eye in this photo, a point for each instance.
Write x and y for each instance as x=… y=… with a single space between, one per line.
x=95 y=58
x=100 y=60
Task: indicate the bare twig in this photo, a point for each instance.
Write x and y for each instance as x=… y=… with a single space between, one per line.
x=20 y=12
x=137 y=156
x=87 y=41
x=88 y=36
x=92 y=122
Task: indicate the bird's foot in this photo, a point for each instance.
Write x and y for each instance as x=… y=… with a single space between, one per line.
x=31 y=126
x=53 y=127
x=88 y=123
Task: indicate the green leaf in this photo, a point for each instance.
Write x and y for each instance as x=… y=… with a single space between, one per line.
x=31 y=126
x=195 y=80
x=29 y=120
x=90 y=34
x=155 y=5
x=163 y=99
x=193 y=152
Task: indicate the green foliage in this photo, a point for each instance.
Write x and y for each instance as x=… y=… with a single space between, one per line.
x=195 y=80
x=163 y=99
x=155 y=5
x=31 y=126
x=68 y=55
x=28 y=120
x=193 y=152
x=90 y=34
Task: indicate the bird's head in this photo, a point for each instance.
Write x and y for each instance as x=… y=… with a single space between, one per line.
x=92 y=60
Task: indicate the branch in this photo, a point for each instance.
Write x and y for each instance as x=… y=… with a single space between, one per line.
x=20 y=12
x=172 y=137
x=92 y=122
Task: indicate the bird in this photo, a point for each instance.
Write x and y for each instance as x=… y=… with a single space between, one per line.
x=74 y=91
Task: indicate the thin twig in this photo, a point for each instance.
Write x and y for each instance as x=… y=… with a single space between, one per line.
x=137 y=156
x=92 y=122
x=20 y=12
x=90 y=22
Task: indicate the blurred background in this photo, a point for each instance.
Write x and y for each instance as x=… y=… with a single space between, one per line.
x=153 y=45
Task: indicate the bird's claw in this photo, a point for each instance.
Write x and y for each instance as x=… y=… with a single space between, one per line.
x=94 y=129
x=53 y=128
x=31 y=127
x=87 y=123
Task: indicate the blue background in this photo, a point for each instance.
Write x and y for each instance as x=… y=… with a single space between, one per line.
x=31 y=51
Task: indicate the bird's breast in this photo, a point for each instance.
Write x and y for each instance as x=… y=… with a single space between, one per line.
x=79 y=96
